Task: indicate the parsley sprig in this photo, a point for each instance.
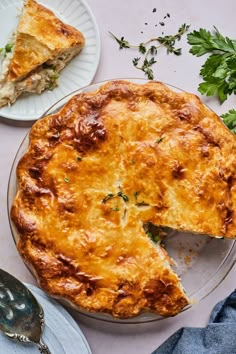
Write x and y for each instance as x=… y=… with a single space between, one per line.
x=229 y=119
x=149 y=49
x=219 y=70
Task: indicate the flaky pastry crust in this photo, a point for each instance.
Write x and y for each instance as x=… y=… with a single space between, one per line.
x=107 y=163
x=40 y=37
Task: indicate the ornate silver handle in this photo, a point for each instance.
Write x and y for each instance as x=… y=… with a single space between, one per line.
x=22 y=317
x=43 y=348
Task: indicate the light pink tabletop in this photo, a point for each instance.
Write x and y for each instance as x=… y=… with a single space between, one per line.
x=127 y=18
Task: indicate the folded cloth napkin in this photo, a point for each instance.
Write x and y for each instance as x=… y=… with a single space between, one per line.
x=219 y=337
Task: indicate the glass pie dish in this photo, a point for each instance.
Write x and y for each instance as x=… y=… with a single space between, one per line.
x=201 y=262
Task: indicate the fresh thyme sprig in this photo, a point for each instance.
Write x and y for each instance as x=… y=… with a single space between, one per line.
x=150 y=49
x=111 y=196
x=122 y=42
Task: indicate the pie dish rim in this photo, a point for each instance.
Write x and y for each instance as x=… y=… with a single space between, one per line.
x=223 y=269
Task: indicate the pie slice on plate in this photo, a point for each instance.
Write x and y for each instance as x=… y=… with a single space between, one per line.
x=37 y=52
x=101 y=182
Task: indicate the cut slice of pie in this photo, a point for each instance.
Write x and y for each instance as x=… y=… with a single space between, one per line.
x=100 y=173
x=39 y=50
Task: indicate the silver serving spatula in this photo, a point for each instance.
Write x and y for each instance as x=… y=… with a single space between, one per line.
x=21 y=316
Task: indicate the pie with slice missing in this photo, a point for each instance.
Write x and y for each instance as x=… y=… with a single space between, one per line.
x=110 y=168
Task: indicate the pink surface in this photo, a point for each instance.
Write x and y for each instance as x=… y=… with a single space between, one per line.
x=127 y=18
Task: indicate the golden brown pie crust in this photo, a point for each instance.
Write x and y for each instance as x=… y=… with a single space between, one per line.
x=105 y=164
x=40 y=36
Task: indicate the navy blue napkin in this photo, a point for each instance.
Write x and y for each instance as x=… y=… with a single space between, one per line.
x=219 y=337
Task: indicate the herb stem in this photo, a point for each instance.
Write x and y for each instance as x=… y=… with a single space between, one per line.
x=150 y=48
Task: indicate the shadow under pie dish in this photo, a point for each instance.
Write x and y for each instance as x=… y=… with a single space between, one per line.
x=101 y=181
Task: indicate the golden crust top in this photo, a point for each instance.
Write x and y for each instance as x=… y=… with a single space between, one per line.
x=40 y=37
x=107 y=163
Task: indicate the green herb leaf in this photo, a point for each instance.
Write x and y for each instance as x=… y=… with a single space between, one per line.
x=219 y=70
x=122 y=42
x=208 y=88
x=169 y=41
x=79 y=158
x=115 y=208
x=136 y=195
x=153 y=50
x=229 y=119
x=201 y=42
x=214 y=88
x=158 y=141
x=148 y=72
x=123 y=196
x=66 y=180
x=177 y=51
x=146 y=67
x=107 y=197
x=149 y=48
x=135 y=61
x=142 y=204
x=211 y=65
x=142 y=48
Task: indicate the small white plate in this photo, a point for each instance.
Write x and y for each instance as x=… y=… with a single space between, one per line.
x=78 y=73
x=61 y=332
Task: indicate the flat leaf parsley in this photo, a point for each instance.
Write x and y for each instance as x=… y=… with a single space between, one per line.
x=229 y=119
x=219 y=70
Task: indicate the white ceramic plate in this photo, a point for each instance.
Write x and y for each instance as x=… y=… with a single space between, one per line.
x=78 y=73
x=61 y=333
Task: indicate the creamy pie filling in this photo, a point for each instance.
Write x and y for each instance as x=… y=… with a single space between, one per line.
x=44 y=77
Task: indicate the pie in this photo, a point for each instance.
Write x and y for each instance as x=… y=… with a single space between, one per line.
x=101 y=182
x=36 y=53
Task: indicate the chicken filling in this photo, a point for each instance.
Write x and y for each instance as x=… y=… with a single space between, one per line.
x=44 y=77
